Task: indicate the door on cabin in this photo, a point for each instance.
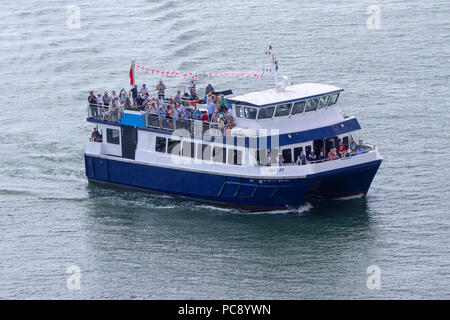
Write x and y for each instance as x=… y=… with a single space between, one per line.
x=129 y=142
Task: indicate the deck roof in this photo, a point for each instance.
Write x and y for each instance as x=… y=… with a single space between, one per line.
x=291 y=93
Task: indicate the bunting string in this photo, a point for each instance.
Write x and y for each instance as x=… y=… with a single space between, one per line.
x=196 y=75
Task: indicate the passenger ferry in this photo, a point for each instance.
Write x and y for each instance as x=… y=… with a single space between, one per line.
x=256 y=165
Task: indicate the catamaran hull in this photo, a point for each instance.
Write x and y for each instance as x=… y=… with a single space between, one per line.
x=252 y=194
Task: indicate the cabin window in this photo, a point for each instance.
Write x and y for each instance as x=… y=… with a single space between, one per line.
x=297 y=152
x=311 y=104
x=299 y=107
x=250 y=113
x=203 y=151
x=287 y=155
x=283 y=110
x=333 y=99
x=173 y=147
x=308 y=149
x=239 y=112
x=323 y=102
x=345 y=141
x=262 y=156
x=220 y=154
x=112 y=136
x=265 y=113
x=188 y=149
x=234 y=157
x=160 y=144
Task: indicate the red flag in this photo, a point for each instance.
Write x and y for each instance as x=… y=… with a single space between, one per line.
x=131 y=77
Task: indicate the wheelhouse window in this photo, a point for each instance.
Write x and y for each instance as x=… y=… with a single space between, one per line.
x=220 y=154
x=312 y=104
x=112 y=136
x=239 y=111
x=266 y=112
x=188 y=149
x=160 y=144
x=323 y=102
x=299 y=107
x=250 y=113
x=283 y=110
x=173 y=147
x=333 y=99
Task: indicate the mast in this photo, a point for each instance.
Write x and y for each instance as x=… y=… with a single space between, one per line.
x=274 y=64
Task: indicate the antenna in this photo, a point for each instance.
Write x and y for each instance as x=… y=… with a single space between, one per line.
x=274 y=67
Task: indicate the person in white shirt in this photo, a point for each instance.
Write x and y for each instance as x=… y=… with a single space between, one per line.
x=143 y=89
x=114 y=99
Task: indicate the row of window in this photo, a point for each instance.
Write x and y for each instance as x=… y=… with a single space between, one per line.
x=204 y=151
x=287 y=108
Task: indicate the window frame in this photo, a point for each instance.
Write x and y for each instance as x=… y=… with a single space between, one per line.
x=109 y=137
x=246 y=113
x=165 y=144
x=282 y=105
x=293 y=106
x=335 y=101
x=265 y=108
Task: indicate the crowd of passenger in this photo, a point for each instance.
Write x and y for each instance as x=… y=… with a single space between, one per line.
x=185 y=106
x=341 y=152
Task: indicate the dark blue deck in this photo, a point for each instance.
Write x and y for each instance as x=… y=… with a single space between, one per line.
x=251 y=194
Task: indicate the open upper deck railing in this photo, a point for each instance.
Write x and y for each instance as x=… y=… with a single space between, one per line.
x=162 y=122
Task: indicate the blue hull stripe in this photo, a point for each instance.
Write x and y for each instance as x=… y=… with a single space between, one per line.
x=284 y=139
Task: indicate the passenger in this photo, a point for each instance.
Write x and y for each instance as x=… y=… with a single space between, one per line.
x=192 y=90
x=123 y=95
x=269 y=159
x=188 y=113
x=221 y=124
x=161 y=87
x=114 y=98
x=196 y=115
x=353 y=146
x=178 y=97
x=161 y=110
x=209 y=89
x=91 y=99
x=222 y=100
x=139 y=100
x=127 y=104
x=215 y=116
x=321 y=157
x=311 y=157
x=143 y=89
x=359 y=150
x=332 y=154
x=301 y=159
x=99 y=100
x=134 y=94
x=205 y=118
x=169 y=112
x=180 y=109
x=95 y=136
x=93 y=104
x=106 y=99
x=211 y=109
x=280 y=159
x=341 y=149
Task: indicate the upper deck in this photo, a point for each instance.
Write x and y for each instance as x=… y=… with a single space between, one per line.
x=286 y=94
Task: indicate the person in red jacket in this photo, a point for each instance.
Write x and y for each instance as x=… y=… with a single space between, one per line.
x=341 y=149
x=205 y=118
